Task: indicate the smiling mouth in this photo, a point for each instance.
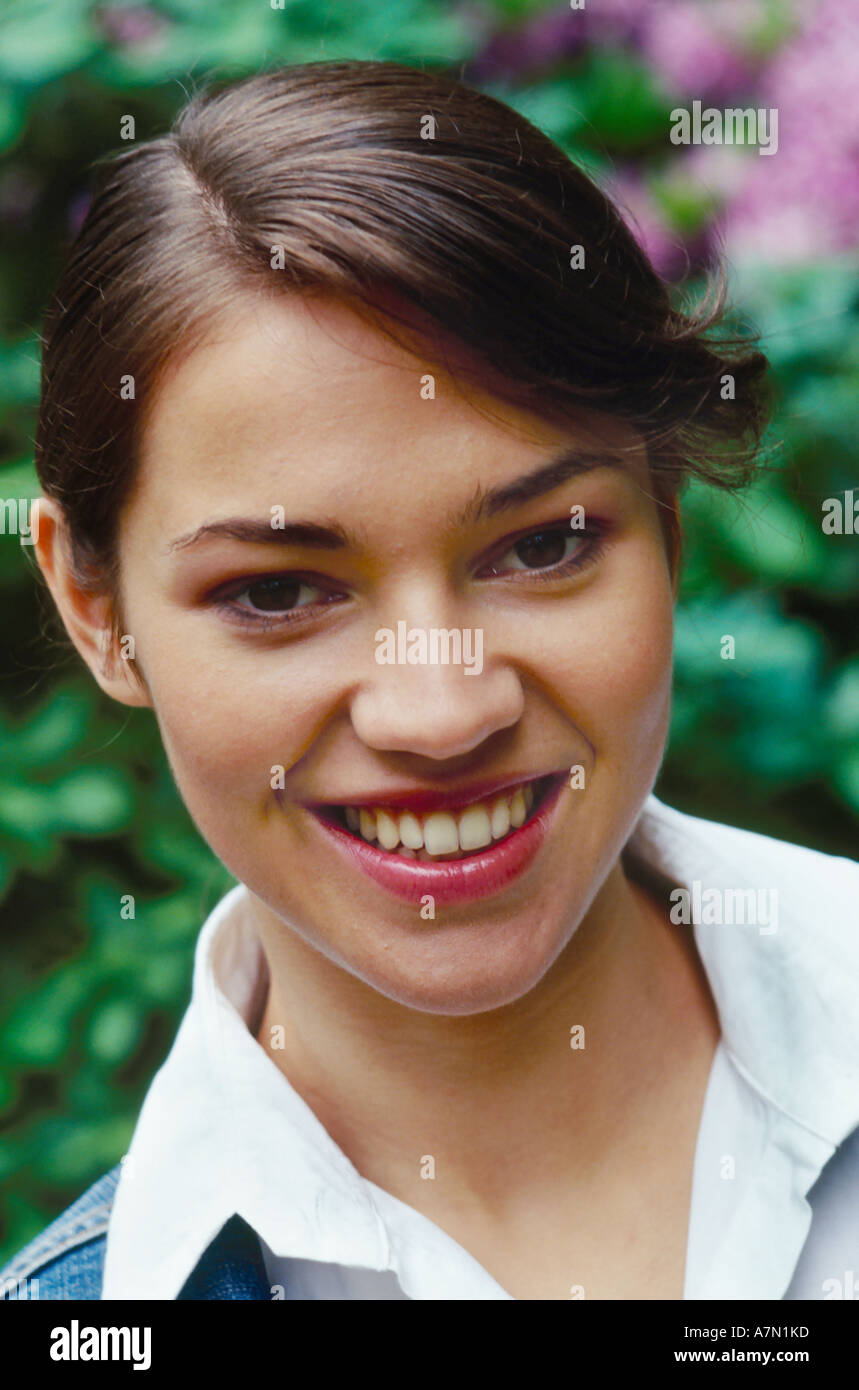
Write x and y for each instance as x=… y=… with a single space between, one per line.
x=456 y=833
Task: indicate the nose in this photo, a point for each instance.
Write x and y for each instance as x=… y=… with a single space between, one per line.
x=436 y=710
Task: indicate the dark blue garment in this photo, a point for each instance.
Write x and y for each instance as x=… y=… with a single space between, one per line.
x=67 y=1259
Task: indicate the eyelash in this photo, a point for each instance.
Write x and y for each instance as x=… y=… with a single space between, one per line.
x=265 y=622
x=593 y=534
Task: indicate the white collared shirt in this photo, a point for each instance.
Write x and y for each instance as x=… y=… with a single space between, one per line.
x=222 y=1131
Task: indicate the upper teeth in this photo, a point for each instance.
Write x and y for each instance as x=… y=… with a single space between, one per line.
x=444 y=832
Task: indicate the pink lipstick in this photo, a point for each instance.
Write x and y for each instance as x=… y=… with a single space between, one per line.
x=481 y=873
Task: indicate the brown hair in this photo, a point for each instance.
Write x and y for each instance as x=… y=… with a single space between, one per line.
x=409 y=193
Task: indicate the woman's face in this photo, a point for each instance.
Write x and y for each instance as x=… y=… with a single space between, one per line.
x=301 y=491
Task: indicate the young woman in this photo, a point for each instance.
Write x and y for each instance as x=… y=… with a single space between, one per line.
x=363 y=424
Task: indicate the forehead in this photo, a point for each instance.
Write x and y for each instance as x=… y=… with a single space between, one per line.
x=305 y=398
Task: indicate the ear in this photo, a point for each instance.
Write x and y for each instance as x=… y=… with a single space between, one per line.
x=87 y=615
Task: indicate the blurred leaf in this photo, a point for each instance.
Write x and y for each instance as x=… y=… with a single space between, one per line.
x=552 y=105
x=19 y=380
x=842 y=707
x=38 y=1030
x=52 y=731
x=114 y=1031
x=65 y=1151
x=13 y=114
x=39 y=40
x=620 y=99
x=847 y=776
x=93 y=801
x=760 y=531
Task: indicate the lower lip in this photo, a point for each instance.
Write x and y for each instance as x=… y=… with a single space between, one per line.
x=451 y=880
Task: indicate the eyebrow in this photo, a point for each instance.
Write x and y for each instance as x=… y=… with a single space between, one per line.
x=484 y=504
x=569 y=464
x=306 y=533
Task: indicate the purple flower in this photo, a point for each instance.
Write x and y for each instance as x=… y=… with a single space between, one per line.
x=685 y=47
x=803 y=201
x=530 y=47
x=130 y=27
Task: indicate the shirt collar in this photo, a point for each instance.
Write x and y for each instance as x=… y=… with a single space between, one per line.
x=786 y=998
x=220 y=1116
x=220 y=1130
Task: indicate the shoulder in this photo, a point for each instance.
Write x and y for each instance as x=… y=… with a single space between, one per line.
x=67 y=1259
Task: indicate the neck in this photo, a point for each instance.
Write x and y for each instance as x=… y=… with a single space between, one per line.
x=394 y=1086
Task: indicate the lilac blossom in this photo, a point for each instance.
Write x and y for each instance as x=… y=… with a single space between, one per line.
x=684 y=47
x=804 y=201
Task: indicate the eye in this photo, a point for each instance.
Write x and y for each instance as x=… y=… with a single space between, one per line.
x=550 y=548
x=278 y=594
x=543 y=549
x=270 y=600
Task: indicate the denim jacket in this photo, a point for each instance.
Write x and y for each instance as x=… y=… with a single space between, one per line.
x=67 y=1259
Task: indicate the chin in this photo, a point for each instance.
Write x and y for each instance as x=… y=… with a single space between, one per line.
x=462 y=971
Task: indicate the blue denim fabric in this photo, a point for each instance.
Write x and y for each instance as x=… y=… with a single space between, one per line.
x=67 y=1260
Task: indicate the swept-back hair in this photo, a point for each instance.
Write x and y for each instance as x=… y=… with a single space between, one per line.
x=415 y=196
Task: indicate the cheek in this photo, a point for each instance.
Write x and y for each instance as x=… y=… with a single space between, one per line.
x=227 y=718
x=635 y=656
x=634 y=715
x=615 y=672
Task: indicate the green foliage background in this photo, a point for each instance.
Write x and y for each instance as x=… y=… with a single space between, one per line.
x=90 y=999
